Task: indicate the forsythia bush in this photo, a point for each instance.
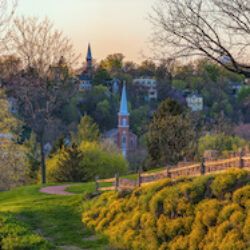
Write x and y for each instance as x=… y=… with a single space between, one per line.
x=206 y=212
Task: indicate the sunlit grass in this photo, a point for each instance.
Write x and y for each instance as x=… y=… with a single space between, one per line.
x=55 y=217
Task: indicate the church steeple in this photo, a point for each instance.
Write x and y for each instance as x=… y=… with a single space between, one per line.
x=89 y=61
x=124 y=105
x=89 y=55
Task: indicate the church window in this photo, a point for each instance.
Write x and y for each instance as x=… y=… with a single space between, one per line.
x=115 y=141
x=124 y=121
x=124 y=139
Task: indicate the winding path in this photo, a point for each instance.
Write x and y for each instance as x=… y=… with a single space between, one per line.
x=59 y=190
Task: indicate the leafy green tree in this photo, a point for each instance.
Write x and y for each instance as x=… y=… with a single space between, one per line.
x=87 y=131
x=171 y=136
x=221 y=142
x=113 y=62
x=84 y=162
x=244 y=93
x=12 y=166
x=97 y=101
x=101 y=76
x=32 y=159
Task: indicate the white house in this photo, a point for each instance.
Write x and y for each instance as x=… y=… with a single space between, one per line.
x=195 y=102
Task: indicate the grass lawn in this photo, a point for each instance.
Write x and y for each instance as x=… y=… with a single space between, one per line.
x=57 y=218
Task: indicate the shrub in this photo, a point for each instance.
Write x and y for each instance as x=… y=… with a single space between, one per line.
x=227 y=180
x=17 y=235
x=177 y=215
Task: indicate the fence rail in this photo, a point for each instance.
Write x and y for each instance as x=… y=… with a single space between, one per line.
x=205 y=167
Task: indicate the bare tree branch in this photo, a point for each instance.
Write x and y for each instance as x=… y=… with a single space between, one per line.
x=39 y=44
x=216 y=29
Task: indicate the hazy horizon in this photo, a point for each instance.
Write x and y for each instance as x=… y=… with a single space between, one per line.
x=110 y=26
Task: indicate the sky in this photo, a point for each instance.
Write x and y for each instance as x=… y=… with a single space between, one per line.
x=110 y=26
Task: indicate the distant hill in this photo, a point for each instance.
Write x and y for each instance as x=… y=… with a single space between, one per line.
x=206 y=212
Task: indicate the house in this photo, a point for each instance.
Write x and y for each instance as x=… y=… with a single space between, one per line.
x=195 y=102
x=85 y=78
x=122 y=136
x=148 y=85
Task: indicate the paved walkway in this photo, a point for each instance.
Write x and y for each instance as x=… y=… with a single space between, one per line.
x=59 y=190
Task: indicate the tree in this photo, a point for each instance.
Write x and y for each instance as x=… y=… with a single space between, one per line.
x=172 y=135
x=69 y=165
x=32 y=159
x=84 y=162
x=147 y=68
x=40 y=99
x=39 y=44
x=11 y=156
x=113 y=62
x=7 y=11
x=217 y=29
x=87 y=131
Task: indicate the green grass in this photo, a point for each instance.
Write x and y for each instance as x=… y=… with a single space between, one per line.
x=56 y=218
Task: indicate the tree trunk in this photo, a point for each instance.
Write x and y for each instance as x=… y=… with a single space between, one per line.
x=43 y=160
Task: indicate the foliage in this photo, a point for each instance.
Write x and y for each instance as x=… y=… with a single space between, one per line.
x=84 y=162
x=100 y=106
x=171 y=136
x=244 y=93
x=221 y=142
x=69 y=167
x=11 y=157
x=45 y=214
x=175 y=215
x=113 y=62
x=17 y=235
x=87 y=131
x=32 y=159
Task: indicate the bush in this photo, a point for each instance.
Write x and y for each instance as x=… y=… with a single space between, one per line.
x=84 y=162
x=167 y=215
x=16 y=235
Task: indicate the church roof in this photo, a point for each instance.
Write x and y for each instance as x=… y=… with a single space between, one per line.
x=111 y=132
x=124 y=105
x=89 y=55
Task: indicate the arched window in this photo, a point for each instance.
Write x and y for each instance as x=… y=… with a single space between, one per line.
x=124 y=139
x=124 y=121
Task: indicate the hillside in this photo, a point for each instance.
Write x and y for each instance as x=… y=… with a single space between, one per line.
x=206 y=212
x=31 y=219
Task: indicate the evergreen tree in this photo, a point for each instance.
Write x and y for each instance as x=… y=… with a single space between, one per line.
x=171 y=136
x=32 y=159
x=70 y=167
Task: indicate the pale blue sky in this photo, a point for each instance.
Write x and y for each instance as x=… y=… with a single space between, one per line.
x=110 y=26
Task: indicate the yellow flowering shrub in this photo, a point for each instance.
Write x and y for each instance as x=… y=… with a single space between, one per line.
x=176 y=215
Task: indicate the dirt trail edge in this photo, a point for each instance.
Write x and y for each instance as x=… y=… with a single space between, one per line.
x=59 y=190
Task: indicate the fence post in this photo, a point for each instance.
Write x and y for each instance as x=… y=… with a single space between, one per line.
x=139 y=177
x=202 y=166
x=96 y=184
x=241 y=160
x=167 y=172
x=117 y=181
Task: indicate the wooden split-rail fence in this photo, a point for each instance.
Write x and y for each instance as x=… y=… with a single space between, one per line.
x=192 y=169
